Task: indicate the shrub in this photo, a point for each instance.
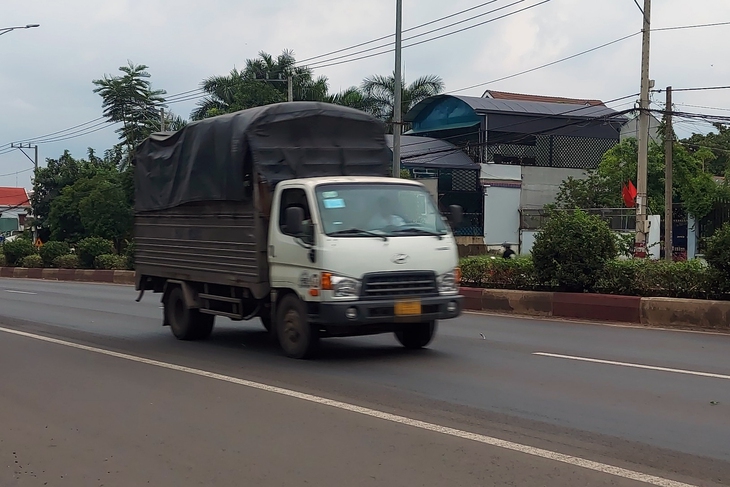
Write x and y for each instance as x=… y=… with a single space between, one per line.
x=129 y=254
x=499 y=273
x=33 y=261
x=642 y=277
x=718 y=250
x=90 y=248
x=16 y=250
x=110 y=262
x=69 y=261
x=572 y=250
x=52 y=250
x=3 y=262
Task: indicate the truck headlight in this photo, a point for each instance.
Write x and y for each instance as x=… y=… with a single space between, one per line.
x=342 y=287
x=449 y=282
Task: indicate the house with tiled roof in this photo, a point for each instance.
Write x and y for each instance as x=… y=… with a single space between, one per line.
x=14 y=208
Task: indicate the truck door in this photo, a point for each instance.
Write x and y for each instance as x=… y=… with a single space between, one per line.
x=289 y=255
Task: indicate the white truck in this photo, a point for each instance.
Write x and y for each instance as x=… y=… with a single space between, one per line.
x=286 y=213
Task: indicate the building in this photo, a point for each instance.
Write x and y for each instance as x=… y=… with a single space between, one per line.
x=14 y=208
x=527 y=146
x=452 y=177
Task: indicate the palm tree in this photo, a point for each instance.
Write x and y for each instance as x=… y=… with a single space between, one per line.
x=352 y=97
x=380 y=93
x=263 y=81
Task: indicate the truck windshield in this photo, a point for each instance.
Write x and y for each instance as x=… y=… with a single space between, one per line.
x=378 y=210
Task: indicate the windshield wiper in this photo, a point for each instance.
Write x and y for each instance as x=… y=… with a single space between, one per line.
x=357 y=231
x=419 y=231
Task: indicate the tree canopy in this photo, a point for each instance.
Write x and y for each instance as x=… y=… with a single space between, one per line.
x=718 y=143
x=693 y=187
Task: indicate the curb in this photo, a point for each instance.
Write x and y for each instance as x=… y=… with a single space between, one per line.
x=77 y=275
x=656 y=312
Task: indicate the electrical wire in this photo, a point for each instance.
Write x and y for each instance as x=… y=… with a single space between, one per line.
x=314 y=65
x=393 y=35
x=433 y=38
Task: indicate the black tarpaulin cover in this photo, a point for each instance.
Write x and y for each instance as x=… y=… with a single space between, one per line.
x=213 y=159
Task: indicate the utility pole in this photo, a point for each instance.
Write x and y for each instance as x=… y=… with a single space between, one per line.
x=397 y=98
x=22 y=146
x=290 y=86
x=668 y=156
x=162 y=119
x=642 y=223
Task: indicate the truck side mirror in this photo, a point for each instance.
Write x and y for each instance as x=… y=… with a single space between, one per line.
x=456 y=215
x=295 y=221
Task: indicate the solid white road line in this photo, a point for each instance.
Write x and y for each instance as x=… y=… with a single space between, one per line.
x=18 y=292
x=635 y=366
x=487 y=440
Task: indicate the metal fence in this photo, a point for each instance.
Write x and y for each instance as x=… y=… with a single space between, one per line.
x=619 y=219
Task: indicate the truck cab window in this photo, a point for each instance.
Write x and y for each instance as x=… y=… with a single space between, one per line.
x=294 y=197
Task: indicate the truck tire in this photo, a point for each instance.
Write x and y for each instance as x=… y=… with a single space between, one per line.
x=186 y=323
x=297 y=337
x=417 y=335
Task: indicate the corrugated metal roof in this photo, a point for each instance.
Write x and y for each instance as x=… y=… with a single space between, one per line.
x=504 y=95
x=490 y=105
x=427 y=151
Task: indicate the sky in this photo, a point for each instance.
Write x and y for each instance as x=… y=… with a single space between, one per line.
x=47 y=72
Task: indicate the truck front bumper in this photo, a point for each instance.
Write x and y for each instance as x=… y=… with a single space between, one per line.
x=353 y=314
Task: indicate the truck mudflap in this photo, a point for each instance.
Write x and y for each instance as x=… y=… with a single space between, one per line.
x=352 y=314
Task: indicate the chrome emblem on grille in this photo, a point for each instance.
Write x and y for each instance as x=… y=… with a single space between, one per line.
x=399 y=258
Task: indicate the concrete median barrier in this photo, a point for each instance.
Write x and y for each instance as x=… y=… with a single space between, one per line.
x=597 y=307
x=77 y=275
x=669 y=312
x=518 y=302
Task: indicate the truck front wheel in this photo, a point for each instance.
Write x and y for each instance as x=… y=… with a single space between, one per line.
x=297 y=337
x=186 y=323
x=417 y=335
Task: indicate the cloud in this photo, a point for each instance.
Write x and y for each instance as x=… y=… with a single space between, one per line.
x=46 y=80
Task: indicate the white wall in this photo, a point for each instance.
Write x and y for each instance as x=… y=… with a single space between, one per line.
x=501 y=172
x=540 y=185
x=501 y=215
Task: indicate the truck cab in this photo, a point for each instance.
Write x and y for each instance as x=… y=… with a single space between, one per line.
x=359 y=255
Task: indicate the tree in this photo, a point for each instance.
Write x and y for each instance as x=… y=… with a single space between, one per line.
x=261 y=82
x=352 y=97
x=380 y=94
x=92 y=207
x=719 y=145
x=130 y=100
x=49 y=181
x=602 y=188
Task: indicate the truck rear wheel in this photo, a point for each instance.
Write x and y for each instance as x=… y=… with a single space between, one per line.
x=186 y=323
x=417 y=335
x=297 y=337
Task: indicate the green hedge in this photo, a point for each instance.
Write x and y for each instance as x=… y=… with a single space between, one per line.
x=70 y=261
x=635 y=277
x=110 y=262
x=17 y=250
x=33 y=261
x=52 y=250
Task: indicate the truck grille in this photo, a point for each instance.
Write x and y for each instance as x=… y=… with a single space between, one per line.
x=385 y=285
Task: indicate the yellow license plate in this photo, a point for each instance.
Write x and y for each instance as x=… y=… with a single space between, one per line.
x=407 y=308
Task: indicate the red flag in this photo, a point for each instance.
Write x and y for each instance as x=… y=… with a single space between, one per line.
x=629 y=195
x=632 y=190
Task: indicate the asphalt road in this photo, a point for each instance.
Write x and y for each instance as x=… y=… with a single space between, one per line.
x=477 y=408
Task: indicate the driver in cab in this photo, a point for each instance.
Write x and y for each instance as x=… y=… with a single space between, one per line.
x=384 y=216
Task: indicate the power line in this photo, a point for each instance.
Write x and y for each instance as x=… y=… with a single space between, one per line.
x=391 y=35
x=705 y=88
x=16 y=172
x=418 y=35
x=697 y=26
x=547 y=64
x=433 y=38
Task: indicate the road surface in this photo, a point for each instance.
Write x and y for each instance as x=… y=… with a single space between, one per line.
x=94 y=391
